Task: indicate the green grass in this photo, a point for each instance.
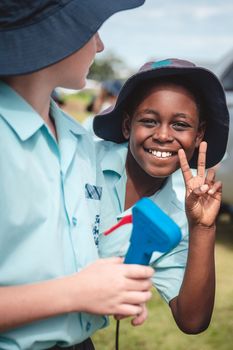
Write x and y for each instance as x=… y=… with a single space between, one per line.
x=160 y=330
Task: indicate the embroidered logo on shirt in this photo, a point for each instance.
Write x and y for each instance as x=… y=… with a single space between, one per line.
x=93 y=192
x=95 y=229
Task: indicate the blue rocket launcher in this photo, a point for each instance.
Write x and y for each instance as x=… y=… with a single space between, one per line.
x=153 y=230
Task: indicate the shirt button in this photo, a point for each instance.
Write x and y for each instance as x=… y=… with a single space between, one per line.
x=74 y=220
x=88 y=326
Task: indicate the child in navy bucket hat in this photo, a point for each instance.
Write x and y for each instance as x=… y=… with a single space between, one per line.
x=169 y=115
x=51 y=189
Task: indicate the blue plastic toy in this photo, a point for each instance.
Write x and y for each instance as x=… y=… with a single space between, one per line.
x=153 y=230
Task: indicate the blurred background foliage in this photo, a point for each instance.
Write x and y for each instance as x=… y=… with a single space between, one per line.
x=110 y=66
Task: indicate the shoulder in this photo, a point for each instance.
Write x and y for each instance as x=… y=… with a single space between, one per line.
x=111 y=155
x=168 y=199
x=105 y=147
x=173 y=206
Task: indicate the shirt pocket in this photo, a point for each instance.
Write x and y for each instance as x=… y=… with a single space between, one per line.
x=93 y=192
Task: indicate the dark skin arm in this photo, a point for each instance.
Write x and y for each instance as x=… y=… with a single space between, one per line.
x=192 y=308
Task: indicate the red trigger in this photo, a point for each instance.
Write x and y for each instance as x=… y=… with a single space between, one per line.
x=125 y=220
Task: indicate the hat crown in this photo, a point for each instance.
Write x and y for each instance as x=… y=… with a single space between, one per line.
x=37 y=34
x=168 y=63
x=15 y=13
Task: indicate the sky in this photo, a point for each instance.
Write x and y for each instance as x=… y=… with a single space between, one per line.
x=201 y=31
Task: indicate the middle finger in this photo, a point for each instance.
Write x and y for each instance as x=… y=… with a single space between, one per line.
x=201 y=163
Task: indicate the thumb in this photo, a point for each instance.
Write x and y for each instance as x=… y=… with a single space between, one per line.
x=200 y=190
x=195 y=194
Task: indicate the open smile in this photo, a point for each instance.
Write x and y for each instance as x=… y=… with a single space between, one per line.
x=160 y=154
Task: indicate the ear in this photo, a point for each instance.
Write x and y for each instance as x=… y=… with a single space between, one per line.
x=200 y=133
x=126 y=126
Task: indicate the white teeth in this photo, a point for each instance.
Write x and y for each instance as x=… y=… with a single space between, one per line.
x=160 y=154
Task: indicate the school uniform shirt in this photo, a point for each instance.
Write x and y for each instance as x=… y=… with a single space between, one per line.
x=170 y=267
x=50 y=207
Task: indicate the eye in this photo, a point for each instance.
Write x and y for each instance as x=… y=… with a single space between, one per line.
x=148 y=122
x=180 y=126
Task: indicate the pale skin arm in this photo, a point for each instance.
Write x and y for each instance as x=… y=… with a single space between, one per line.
x=192 y=308
x=105 y=287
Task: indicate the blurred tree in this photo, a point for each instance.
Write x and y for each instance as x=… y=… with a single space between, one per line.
x=108 y=67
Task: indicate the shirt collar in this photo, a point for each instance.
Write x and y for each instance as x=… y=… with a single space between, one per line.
x=68 y=134
x=167 y=191
x=64 y=123
x=116 y=163
x=20 y=115
x=24 y=120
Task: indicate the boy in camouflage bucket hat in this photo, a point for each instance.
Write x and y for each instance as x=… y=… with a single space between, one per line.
x=164 y=117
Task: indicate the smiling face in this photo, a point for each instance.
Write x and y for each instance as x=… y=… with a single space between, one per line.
x=166 y=119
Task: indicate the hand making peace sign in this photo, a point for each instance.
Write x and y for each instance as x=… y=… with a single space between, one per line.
x=203 y=194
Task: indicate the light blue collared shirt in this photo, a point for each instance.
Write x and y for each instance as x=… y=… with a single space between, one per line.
x=170 y=267
x=51 y=199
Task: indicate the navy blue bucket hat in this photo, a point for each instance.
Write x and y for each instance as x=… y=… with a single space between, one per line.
x=108 y=124
x=36 y=34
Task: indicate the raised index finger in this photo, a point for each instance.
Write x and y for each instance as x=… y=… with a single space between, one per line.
x=201 y=163
x=184 y=165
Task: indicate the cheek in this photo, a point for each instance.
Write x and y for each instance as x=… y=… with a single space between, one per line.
x=136 y=140
x=198 y=141
x=190 y=149
x=140 y=135
x=189 y=140
x=135 y=149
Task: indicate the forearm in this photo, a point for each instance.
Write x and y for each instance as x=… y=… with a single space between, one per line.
x=20 y=305
x=193 y=307
x=90 y=290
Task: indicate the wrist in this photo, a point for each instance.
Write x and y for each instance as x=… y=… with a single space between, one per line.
x=202 y=232
x=203 y=227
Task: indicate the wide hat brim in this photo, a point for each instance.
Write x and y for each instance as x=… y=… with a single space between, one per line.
x=64 y=29
x=108 y=125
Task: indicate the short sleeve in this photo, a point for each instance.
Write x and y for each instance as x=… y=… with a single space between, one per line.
x=169 y=271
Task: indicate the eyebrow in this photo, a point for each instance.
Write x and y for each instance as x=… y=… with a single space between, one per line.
x=183 y=115
x=148 y=111
x=156 y=113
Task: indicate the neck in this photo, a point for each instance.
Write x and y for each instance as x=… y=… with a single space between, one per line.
x=139 y=183
x=36 y=89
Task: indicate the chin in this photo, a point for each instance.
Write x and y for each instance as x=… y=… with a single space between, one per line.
x=160 y=174
x=81 y=84
x=75 y=85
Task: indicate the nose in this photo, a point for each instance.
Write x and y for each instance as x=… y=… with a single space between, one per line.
x=99 y=43
x=162 y=134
